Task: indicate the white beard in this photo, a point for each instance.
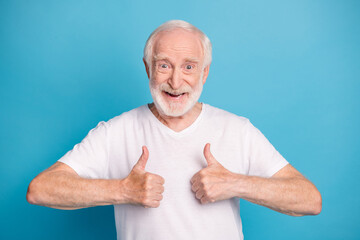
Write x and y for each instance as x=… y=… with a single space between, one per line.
x=175 y=109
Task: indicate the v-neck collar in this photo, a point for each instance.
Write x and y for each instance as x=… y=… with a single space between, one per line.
x=169 y=130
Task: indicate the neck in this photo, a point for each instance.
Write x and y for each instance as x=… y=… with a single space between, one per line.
x=178 y=124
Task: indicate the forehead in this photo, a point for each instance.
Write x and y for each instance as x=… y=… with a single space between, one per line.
x=178 y=43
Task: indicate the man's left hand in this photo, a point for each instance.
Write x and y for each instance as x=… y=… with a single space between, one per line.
x=213 y=183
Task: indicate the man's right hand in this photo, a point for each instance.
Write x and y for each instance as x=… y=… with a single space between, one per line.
x=141 y=187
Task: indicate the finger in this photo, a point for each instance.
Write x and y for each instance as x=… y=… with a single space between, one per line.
x=204 y=200
x=152 y=204
x=154 y=197
x=199 y=194
x=141 y=163
x=208 y=156
x=158 y=197
x=159 y=179
x=194 y=178
x=159 y=189
x=155 y=204
x=195 y=187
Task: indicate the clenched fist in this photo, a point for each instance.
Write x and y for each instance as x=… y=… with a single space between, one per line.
x=141 y=187
x=213 y=183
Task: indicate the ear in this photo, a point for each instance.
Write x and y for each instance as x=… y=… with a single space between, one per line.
x=206 y=73
x=146 y=68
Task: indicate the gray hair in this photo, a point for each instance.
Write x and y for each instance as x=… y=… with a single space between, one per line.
x=178 y=24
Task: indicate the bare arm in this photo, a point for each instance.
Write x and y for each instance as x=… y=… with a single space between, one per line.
x=287 y=191
x=61 y=187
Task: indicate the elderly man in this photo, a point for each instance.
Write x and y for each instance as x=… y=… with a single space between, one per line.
x=155 y=163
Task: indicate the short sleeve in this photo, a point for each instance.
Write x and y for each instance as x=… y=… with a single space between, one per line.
x=264 y=159
x=89 y=158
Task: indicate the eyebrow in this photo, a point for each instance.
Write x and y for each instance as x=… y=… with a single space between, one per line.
x=160 y=57
x=194 y=60
x=163 y=57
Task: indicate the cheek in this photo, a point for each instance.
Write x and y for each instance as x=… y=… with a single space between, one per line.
x=160 y=77
x=192 y=80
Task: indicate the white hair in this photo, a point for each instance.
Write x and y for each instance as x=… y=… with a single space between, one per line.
x=178 y=24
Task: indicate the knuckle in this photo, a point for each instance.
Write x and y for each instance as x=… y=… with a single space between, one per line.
x=211 y=193
x=148 y=176
x=146 y=185
x=203 y=180
x=206 y=194
x=144 y=202
x=160 y=178
x=147 y=195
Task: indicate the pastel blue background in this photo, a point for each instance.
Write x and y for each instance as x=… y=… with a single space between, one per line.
x=292 y=67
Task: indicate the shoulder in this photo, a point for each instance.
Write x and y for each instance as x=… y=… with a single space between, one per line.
x=124 y=119
x=222 y=116
x=129 y=116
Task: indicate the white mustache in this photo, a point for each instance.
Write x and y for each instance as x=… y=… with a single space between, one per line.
x=167 y=88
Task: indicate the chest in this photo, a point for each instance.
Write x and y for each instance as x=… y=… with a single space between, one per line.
x=176 y=159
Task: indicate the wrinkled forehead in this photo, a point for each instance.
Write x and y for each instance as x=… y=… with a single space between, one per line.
x=177 y=43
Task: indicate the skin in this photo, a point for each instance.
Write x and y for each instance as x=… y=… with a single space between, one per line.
x=287 y=191
x=61 y=187
x=177 y=50
x=142 y=187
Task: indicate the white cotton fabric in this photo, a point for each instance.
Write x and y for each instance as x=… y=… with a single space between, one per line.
x=112 y=148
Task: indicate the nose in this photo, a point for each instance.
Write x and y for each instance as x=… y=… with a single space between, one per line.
x=175 y=80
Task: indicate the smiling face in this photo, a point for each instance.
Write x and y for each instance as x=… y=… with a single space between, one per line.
x=177 y=72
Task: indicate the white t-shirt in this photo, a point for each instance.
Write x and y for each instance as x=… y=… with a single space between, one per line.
x=112 y=148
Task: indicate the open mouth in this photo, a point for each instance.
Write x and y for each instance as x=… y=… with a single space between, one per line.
x=174 y=95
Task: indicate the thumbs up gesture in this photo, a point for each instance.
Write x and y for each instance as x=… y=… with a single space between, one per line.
x=141 y=187
x=213 y=183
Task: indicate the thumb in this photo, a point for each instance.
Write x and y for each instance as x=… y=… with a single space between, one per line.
x=141 y=163
x=208 y=156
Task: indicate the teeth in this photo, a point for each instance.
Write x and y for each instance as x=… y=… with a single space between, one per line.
x=175 y=95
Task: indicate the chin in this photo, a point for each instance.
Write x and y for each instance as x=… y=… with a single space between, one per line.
x=171 y=105
x=171 y=109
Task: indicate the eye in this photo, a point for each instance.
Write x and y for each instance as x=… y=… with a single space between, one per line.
x=189 y=67
x=164 y=66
